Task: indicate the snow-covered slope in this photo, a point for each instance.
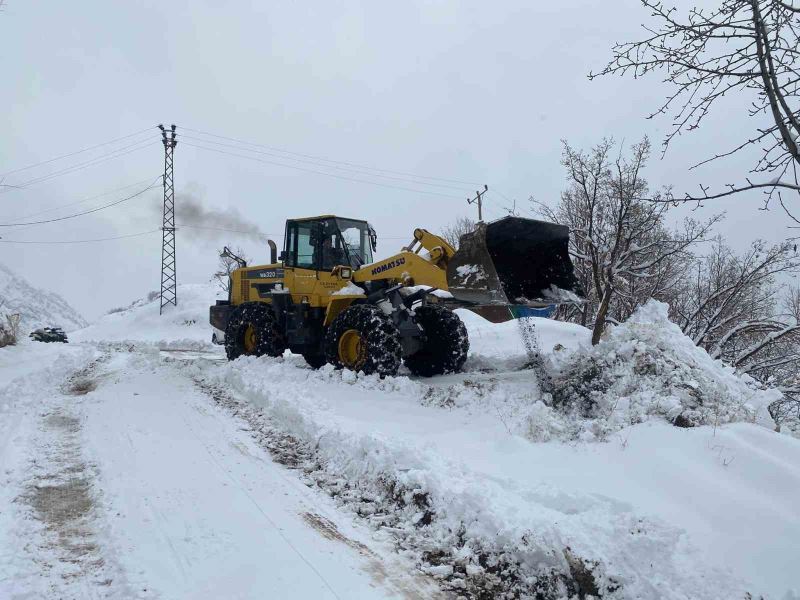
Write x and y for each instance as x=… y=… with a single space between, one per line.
x=37 y=307
x=182 y=326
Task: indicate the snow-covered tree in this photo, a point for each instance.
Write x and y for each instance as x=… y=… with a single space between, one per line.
x=229 y=261
x=731 y=306
x=451 y=233
x=622 y=250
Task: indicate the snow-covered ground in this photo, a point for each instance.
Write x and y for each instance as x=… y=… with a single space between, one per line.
x=140 y=463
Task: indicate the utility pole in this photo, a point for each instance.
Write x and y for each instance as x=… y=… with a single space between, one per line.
x=479 y=199
x=169 y=283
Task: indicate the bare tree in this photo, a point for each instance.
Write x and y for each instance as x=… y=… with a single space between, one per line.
x=229 y=261
x=454 y=231
x=728 y=305
x=748 y=47
x=731 y=307
x=619 y=242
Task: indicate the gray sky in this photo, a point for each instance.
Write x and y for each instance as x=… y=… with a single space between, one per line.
x=480 y=92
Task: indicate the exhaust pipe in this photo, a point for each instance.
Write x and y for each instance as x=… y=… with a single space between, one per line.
x=273 y=252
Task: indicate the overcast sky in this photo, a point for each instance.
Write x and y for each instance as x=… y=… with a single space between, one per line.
x=480 y=92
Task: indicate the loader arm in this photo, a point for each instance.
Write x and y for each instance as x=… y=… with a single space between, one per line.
x=406 y=267
x=439 y=250
x=509 y=262
x=409 y=266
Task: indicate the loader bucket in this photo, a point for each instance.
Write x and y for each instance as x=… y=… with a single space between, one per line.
x=514 y=261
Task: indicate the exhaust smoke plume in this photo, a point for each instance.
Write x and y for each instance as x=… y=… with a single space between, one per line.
x=196 y=220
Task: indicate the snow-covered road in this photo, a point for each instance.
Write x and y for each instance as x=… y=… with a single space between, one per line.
x=178 y=500
x=139 y=463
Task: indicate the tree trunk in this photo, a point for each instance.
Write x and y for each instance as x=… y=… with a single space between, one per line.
x=602 y=312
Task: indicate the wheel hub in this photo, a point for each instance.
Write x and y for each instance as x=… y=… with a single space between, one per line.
x=250 y=339
x=352 y=350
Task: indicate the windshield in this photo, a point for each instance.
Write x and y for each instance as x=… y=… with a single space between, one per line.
x=356 y=239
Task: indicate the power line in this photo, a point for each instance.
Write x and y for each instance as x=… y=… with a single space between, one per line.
x=275 y=235
x=85 y=212
x=45 y=162
x=111 y=155
x=106 y=193
x=269 y=162
x=119 y=237
x=242 y=231
x=361 y=171
x=349 y=164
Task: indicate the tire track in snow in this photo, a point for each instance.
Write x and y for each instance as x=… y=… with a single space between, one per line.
x=260 y=509
x=289 y=452
x=59 y=496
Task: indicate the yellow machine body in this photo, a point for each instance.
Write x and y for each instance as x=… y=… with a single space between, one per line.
x=327 y=299
x=321 y=289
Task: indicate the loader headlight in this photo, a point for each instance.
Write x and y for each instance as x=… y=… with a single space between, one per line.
x=345 y=272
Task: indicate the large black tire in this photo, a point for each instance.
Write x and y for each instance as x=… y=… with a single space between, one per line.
x=445 y=343
x=315 y=361
x=378 y=341
x=252 y=330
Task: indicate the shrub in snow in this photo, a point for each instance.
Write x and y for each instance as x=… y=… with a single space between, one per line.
x=786 y=414
x=647 y=367
x=6 y=337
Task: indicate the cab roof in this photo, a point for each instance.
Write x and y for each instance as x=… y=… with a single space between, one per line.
x=326 y=217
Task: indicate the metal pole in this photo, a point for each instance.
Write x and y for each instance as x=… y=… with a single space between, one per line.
x=169 y=283
x=479 y=199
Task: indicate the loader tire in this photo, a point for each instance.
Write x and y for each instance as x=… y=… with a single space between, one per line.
x=253 y=331
x=362 y=338
x=315 y=361
x=445 y=342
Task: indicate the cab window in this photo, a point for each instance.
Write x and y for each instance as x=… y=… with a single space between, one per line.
x=332 y=248
x=301 y=245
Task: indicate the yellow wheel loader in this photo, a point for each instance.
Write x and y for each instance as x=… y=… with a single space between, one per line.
x=325 y=298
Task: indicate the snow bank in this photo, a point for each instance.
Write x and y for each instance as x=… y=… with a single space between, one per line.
x=37 y=307
x=184 y=326
x=646 y=368
x=495 y=346
x=657 y=513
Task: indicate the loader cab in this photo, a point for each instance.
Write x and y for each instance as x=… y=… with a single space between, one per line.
x=322 y=243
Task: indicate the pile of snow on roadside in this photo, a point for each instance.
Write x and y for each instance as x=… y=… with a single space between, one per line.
x=184 y=326
x=460 y=526
x=645 y=368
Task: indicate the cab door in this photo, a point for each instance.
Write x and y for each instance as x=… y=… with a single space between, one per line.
x=302 y=255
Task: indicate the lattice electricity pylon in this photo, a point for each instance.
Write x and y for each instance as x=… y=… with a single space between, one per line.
x=169 y=282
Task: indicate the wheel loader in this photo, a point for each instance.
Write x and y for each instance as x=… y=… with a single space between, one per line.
x=326 y=298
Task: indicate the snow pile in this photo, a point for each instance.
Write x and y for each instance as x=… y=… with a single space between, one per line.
x=647 y=367
x=496 y=346
x=492 y=515
x=460 y=528
x=37 y=307
x=184 y=326
x=351 y=289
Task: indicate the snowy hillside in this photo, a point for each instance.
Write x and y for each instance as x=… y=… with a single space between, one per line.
x=37 y=307
x=182 y=326
x=490 y=483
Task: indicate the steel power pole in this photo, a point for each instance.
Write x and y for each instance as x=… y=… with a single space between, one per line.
x=169 y=283
x=479 y=199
